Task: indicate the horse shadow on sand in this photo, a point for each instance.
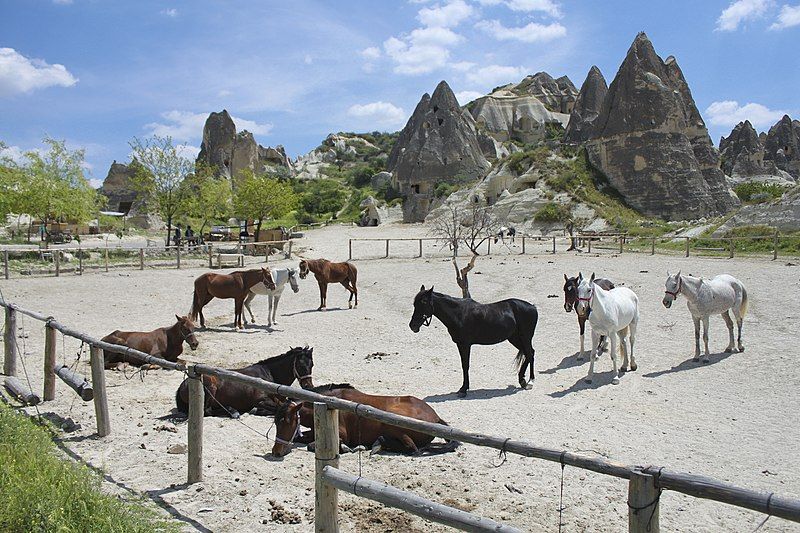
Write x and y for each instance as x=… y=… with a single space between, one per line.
x=570 y=361
x=327 y=310
x=691 y=364
x=600 y=379
x=473 y=394
x=250 y=328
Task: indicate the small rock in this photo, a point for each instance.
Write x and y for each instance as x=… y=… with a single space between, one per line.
x=142 y=446
x=177 y=449
x=243 y=492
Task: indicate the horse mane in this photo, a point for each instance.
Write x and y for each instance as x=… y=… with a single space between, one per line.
x=281 y=357
x=331 y=386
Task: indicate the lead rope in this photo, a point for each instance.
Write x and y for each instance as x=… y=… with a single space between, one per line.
x=561 y=496
x=653 y=504
x=503 y=456
x=769 y=513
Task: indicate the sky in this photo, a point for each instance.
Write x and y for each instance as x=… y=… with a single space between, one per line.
x=97 y=73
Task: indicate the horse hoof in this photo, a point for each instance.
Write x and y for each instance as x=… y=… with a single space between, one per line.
x=741 y=349
x=705 y=360
x=634 y=368
x=696 y=359
x=615 y=381
x=623 y=369
x=525 y=385
x=729 y=350
x=587 y=380
x=462 y=394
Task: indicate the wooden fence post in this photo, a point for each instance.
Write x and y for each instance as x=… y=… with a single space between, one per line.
x=99 y=387
x=80 y=261
x=387 y=248
x=289 y=252
x=210 y=256
x=774 y=250
x=653 y=246
x=106 y=254
x=350 y=249
x=5 y=262
x=196 y=413
x=489 y=246
x=141 y=258
x=178 y=257
x=732 y=245
x=49 y=364
x=554 y=244
x=643 y=504
x=687 y=246
x=420 y=248
x=326 y=497
x=57 y=261
x=10 y=341
x=621 y=243
x=589 y=242
x=523 y=244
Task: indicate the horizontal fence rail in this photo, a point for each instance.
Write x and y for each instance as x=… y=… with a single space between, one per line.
x=659 y=477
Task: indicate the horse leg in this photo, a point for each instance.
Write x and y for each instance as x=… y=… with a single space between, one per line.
x=269 y=310
x=632 y=338
x=409 y=445
x=463 y=350
x=323 y=289
x=595 y=339
x=346 y=285
x=705 y=338
x=623 y=349
x=696 y=338
x=582 y=325
x=614 y=337
x=726 y=316
x=274 y=308
x=739 y=325
x=237 y=310
x=355 y=291
x=247 y=300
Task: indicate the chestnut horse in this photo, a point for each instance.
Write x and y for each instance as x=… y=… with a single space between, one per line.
x=355 y=430
x=229 y=398
x=166 y=343
x=235 y=285
x=327 y=272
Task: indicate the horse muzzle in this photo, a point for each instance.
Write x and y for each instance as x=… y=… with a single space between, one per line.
x=280 y=450
x=307 y=383
x=414 y=327
x=667 y=303
x=568 y=307
x=193 y=345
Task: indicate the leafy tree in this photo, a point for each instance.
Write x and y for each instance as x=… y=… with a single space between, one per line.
x=209 y=197
x=10 y=181
x=324 y=196
x=52 y=185
x=159 y=177
x=261 y=197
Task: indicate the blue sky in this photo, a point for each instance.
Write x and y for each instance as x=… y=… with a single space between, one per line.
x=99 y=72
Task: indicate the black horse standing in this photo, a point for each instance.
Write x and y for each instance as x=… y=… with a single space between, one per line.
x=470 y=322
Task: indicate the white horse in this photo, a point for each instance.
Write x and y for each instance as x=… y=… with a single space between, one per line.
x=709 y=297
x=614 y=313
x=280 y=276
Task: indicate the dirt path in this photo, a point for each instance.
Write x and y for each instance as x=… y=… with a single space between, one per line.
x=735 y=419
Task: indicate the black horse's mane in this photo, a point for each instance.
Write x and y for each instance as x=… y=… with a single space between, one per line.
x=278 y=358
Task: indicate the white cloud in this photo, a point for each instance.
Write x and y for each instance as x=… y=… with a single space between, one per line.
x=412 y=57
x=546 y=6
x=18 y=74
x=188 y=151
x=96 y=183
x=308 y=59
x=788 y=17
x=62 y=2
x=14 y=153
x=376 y=114
x=740 y=11
x=464 y=97
x=530 y=33
x=186 y=126
x=462 y=66
x=373 y=52
x=493 y=75
x=729 y=113
x=171 y=12
x=445 y=16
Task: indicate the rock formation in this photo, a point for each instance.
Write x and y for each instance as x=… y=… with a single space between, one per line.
x=231 y=152
x=652 y=145
x=587 y=108
x=336 y=148
x=782 y=146
x=118 y=187
x=438 y=145
x=783 y=214
x=742 y=157
x=557 y=95
x=505 y=115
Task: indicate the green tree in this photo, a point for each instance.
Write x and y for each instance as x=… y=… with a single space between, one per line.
x=261 y=197
x=159 y=177
x=53 y=186
x=324 y=196
x=209 y=197
x=10 y=182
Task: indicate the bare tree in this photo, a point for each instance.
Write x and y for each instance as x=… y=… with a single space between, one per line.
x=461 y=276
x=572 y=225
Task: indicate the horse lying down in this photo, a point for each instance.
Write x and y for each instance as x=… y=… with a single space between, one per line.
x=166 y=343
x=356 y=431
x=230 y=398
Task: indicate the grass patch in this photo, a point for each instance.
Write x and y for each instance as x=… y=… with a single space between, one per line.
x=759 y=193
x=41 y=492
x=552 y=212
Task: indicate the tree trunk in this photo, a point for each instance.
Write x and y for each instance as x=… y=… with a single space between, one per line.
x=573 y=241
x=169 y=230
x=258 y=231
x=461 y=276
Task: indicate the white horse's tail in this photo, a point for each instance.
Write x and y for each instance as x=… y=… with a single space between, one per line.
x=743 y=308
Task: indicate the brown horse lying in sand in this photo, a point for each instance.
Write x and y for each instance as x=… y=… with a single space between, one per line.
x=224 y=397
x=166 y=343
x=235 y=285
x=359 y=431
x=328 y=272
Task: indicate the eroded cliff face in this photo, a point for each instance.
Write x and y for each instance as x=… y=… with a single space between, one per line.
x=587 y=108
x=782 y=146
x=439 y=144
x=742 y=155
x=652 y=145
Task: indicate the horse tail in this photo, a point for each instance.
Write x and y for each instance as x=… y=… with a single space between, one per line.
x=180 y=403
x=519 y=360
x=353 y=272
x=195 y=311
x=743 y=307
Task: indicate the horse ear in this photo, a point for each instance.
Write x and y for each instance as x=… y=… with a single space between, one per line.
x=566 y=278
x=430 y=291
x=422 y=288
x=180 y=319
x=580 y=276
x=678 y=275
x=592 y=278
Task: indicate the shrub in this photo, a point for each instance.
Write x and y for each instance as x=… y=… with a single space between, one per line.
x=756 y=193
x=553 y=212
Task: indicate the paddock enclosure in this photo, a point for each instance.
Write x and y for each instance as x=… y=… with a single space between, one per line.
x=734 y=419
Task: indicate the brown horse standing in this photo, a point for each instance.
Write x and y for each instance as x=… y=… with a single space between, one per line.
x=355 y=430
x=235 y=285
x=328 y=272
x=166 y=343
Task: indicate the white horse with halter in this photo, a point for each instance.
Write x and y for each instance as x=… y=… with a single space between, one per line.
x=704 y=298
x=280 y=276
x=615 y=314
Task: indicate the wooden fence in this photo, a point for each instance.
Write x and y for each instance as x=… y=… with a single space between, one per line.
x=645 y=483
x=728 y=247
x=141 y=257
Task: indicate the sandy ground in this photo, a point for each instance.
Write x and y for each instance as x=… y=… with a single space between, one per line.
x=735 y=418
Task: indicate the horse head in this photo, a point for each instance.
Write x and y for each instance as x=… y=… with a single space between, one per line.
x=570 y=293
x=303 y=269
x=266 y=279
x=585 y=293
x=293 y=281
x=672 y=288
x=287 y=425
x=302 y=366
x=186 y=329
x=423 y=309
